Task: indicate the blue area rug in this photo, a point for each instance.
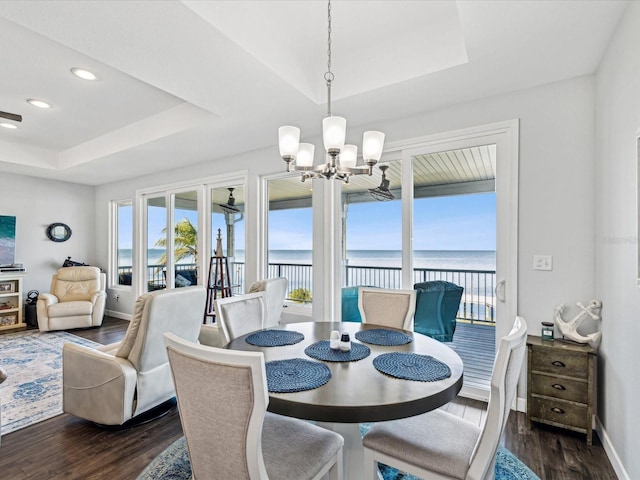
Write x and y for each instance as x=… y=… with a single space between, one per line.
x=33 y=389
x=173 y=464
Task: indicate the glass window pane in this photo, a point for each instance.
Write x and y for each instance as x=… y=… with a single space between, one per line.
x=156 y=251
x=124 y=239
x=372 y=228
x=454 y=225
x=227 y=218
x=185 y=239
x=290 y=237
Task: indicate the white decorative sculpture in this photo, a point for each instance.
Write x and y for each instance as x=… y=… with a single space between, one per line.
x=569 y=328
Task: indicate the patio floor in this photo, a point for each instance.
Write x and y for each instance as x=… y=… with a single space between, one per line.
x=476 y=345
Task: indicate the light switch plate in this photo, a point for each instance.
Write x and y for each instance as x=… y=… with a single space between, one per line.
x=543 y=262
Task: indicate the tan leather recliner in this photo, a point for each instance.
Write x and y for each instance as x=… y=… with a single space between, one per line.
x=114 y=383
x=76 y=300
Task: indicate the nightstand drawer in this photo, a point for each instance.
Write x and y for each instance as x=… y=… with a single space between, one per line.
x=559 y=412
x=559 y=362
x=562 y=388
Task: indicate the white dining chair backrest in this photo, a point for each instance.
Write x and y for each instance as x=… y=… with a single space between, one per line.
x=387 y=307
x=275 y=290
x=237 y=399
x=240 y=315
x=504 y=382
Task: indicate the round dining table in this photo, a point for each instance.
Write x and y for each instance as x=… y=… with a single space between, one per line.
x=357 y=392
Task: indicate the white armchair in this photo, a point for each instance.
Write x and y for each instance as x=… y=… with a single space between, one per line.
x=76 y=300
x=112 y=384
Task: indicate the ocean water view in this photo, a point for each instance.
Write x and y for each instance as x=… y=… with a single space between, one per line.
x=470 y=269
x=438 y=259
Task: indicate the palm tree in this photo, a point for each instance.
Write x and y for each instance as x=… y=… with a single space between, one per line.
x=185 y=242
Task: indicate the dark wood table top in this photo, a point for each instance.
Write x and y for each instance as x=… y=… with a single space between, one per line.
x=357 y=392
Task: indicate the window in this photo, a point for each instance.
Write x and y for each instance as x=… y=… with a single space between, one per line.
x=123 y=247
x=155 y=245
x=290 y=237
x=227 y=220
x=372 y=228
x=185 y=239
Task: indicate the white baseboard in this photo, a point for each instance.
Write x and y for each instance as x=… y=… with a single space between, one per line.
x=120 y=315
x=611 y=452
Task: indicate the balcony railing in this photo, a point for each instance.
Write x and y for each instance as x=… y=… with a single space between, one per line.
x=477 y=303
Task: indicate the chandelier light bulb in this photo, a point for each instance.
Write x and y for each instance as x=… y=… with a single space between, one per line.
x=334 y=130
x=349 y=156
x=372 y=143
x=289 y=141
x=305 y=155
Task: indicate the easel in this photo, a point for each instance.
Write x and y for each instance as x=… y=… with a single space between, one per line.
x=219 y=281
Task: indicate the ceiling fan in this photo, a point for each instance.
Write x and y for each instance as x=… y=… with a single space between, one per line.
x=11 y=116
x=382 y=192
x=230 y=206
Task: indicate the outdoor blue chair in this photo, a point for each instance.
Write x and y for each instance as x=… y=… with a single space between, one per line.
x=437 y=305
x=350 y=312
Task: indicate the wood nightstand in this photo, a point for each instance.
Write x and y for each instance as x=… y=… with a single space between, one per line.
x=560 y=384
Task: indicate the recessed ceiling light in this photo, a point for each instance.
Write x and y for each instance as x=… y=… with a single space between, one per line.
x=83 y=74
x=8 y=125
x=38 y=103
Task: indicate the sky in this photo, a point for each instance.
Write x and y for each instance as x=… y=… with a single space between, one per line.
x=460 y=222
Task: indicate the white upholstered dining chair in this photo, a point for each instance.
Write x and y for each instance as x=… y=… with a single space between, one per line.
x=440 y=445
x=274 y=290
x=237 y=437
x=387 y=307
x=237 y=316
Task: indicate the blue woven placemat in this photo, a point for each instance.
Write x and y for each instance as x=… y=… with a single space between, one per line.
x=411 y=366
x=296 y=375
x=274 y=338
x=321 y=351
x=384 y=337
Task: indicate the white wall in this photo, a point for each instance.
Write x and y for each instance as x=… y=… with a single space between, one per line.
x=37 y=203
x=616 y=234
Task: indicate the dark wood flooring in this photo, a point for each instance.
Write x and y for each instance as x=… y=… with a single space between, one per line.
x=65 y=447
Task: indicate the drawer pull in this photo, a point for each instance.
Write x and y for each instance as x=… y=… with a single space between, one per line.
x=558 y=363
x=557 y=410
x=557 y=386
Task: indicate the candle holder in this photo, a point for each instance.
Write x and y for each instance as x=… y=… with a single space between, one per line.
x=547 y=331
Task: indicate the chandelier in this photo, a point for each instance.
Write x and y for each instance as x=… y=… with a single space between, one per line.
x=340 y=158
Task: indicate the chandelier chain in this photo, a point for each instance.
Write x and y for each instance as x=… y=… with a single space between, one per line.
x=329 y=75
